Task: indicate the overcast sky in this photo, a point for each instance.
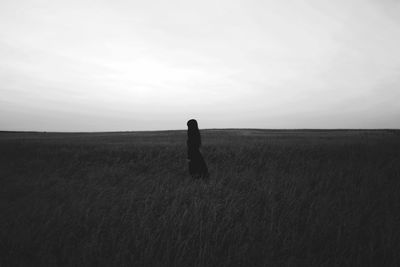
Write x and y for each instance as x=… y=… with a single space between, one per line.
x=82 y=65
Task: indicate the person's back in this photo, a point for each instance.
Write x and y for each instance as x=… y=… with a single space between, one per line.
x=197 y=165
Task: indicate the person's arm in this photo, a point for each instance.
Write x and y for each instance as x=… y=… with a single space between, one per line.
x=188 y=158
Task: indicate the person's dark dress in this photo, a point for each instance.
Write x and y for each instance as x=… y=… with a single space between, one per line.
x=197 y=165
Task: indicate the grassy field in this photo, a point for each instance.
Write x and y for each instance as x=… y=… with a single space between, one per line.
x=275 y=198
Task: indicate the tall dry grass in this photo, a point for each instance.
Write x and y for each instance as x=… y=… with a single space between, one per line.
x=275 y=198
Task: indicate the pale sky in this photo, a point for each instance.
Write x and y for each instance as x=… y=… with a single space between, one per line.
x=116 y=65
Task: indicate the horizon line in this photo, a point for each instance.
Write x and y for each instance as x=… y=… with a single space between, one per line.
x=208 y=129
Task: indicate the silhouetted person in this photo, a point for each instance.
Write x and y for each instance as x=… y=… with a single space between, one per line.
x=197 y=165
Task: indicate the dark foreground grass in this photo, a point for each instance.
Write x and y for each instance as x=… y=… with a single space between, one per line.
x=275 y=198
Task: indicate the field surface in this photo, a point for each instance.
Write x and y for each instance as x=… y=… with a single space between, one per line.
x=274 y=198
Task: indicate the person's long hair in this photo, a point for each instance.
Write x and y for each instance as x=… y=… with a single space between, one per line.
x=193 y=133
